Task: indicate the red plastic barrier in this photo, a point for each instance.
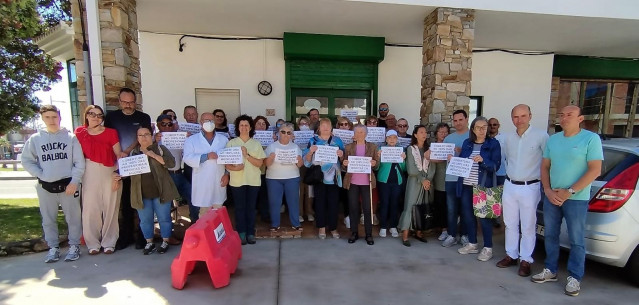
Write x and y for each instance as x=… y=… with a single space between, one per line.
x=212 y=240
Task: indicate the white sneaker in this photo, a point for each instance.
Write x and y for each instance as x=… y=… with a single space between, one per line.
x=572 y=287
x=449 y=241
x=73 y=254
x=301 y=219
x=468 y=249
x=443 y=236
x=464 y=240
x=544 y=276
x=347 y=222
x=394 y=232
x=382 y=233
x=485 y=254
x=361 y=219
x=53 y=255
x=310 y=217
x=375 y=220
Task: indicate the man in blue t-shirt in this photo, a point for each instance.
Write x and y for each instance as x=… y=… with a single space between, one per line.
x=571 y=162
x=453 y=202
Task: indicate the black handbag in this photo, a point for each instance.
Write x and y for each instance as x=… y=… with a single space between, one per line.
x=55 y=186
x=314 y=174
x=423 y=216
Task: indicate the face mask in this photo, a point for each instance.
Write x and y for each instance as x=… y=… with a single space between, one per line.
x=304 y=127
x=278 y=125
x=208 y=126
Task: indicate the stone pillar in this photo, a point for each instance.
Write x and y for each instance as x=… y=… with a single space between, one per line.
x=447 y=64
x=554 y=103
x=120 y=51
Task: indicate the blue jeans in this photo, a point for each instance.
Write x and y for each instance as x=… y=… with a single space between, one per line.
x=184 y=188
x=245 y=199
x=290 y=188
x=574 y=211
x=162 y=211
x=453 y=204
x=470 y=220
x=389 y=195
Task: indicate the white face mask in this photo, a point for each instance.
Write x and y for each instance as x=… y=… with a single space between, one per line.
x=304 y=127
x=208 y=126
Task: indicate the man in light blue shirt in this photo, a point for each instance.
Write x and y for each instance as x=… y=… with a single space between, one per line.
x=460 y=122
x=571 y=162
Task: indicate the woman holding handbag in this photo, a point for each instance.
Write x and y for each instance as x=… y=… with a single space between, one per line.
x=420 y=177
x=486 y=155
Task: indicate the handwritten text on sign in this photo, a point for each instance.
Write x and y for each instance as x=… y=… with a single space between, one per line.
x=190 y=127
x=134 y=165
x=230 y=155
x=345 y=135
x=376 y=134
x=359 y=165
x=350 y=114
x=264 y=136
x=326 y=154
x=392 y=154
x=459 y=167
x=286 y=156
x=173 y=140
x=302 y=137
x=440 y=151
x=403 y=142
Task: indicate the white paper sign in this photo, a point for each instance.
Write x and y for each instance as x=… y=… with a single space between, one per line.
x=134 y=165
x=173 y=140
x=264 y=136
x=325 y=153
x=190 y=127
x=350 y=114
x=345 y=135
x=376 y=134
x=230 y=155
x=459 y=167
x=286 y=156
x=222 y=134
x=403 y=142
x=302 y=137
x=359 y=165
x=231 y=130
x=392 y=154
x=440 y=151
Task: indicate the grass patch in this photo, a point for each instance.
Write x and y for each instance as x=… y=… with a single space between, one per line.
x=20 y=220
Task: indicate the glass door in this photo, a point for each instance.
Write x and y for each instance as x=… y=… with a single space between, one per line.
x=330 y=102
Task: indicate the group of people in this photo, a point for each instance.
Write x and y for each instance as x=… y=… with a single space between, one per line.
x=525 y=161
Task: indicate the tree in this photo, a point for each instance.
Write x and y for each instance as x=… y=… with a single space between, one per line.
x=24 y=68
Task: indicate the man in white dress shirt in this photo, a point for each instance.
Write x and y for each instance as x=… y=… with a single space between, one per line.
x=522 y=189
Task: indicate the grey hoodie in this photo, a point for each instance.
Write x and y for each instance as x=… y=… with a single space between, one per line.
x=54 y=156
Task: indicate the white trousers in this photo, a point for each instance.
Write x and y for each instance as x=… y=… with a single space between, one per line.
x=520 y=206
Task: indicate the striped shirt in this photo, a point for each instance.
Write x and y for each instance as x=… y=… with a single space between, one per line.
x=473 y=178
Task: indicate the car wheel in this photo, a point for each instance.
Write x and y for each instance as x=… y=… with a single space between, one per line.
x=632 y=267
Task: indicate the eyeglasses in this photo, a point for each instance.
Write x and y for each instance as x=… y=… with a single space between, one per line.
x=343 y=124
x=493 y=125
x=286 y=132
x=383 y=109
x=481 y=127
x=144 y=135
x=95 y=115
x=166 y=124
x=219 y=116
x=402 y=125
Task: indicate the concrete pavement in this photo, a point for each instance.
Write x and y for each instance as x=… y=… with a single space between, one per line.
x=305 y=271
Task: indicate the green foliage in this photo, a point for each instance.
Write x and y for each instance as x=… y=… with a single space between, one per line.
x=20 y=219
x=24 y=68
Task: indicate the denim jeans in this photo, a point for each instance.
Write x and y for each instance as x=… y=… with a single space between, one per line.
x=389 y=195
x=574 y=211
x=184 y=188
x=453 y=204
x=470 y=220
x=163 y=213
x=245 y=199
x=289 y=188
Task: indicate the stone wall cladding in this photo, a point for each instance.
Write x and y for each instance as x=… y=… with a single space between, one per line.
x=447 y=64
x=554 y=98
x=120 y=51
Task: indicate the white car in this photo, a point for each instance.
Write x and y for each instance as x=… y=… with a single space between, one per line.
x=612 y=226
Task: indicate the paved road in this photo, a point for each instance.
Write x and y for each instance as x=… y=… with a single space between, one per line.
x=18 y=189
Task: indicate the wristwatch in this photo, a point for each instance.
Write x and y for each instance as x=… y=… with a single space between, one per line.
x=571 y=190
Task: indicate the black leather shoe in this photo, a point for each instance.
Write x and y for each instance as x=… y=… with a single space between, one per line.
x=354 y=237
x=369 y=240
x=406 y=243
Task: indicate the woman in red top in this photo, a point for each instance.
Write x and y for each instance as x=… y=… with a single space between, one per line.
x=101 y=188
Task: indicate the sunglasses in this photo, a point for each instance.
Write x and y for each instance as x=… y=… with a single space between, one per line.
x=169 y=124
x=383 y=109
x=343 y=124
x=286 y=132
x=95 y=115
x=402 y=125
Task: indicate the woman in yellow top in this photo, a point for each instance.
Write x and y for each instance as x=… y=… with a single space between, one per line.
x=245 y=178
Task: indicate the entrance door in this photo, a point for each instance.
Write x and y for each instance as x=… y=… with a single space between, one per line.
x=207 y=100
x=330 y=102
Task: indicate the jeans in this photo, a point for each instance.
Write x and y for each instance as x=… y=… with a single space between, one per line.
x=163 y=213
x=574 y=211
x=245 y=199
x=470 y=221
x=389 y=195
x=184 y=188
x=453 y=204
x=290 y=189
x=326 y=196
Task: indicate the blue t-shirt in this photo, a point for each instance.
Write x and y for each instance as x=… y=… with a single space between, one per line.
x=458 y=140
x=569 y=158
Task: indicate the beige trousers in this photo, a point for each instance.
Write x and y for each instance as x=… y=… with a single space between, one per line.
x=100 y=206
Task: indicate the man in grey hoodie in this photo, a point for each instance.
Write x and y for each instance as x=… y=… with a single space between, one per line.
x=55 y=157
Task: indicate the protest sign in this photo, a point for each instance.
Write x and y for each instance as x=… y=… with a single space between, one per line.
x=345 y=135
x=173 y=140
x=459 y=167
x=230 y=155
x=302 y=137
x=134 y=165
x=286 y=156
x=350 y=114
x=264 y=136
x=359 y=165
x=440 y=151
x=376 y=134
x=392 y=154
x=325 y=153
x=190 y=127
x=403 y=142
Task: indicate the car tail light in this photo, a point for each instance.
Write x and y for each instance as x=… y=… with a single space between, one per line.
x=614 y=194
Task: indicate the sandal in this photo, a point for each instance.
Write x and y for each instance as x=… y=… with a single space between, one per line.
x=274 y=229
x=94 y=251
x=109 y=250
x=297 y=228
x=335 y=234
x=406 y=243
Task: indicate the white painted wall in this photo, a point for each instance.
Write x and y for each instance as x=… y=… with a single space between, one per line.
x=169 y=77
x=400 y=82
x=505 y=80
